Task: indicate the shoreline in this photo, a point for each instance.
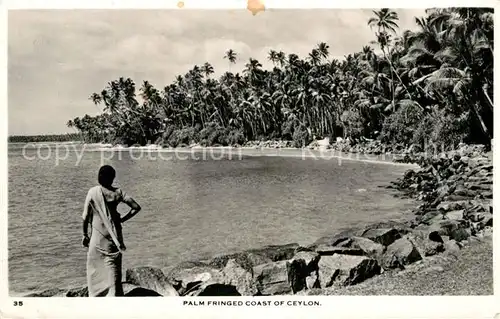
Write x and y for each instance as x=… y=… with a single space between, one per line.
x=272 y=152
x=310 y=152
x=440 y=226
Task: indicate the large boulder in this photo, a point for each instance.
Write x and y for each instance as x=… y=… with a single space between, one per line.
x=430 y=217
x=346 y=269
x=310 y=272
x=245 y=259
x=130 y=290
x=401 y=227
x=242 y=279
x=334 y=240
x=367 y=246
x=400 y=253
x=454 y=229
x=150 y=278
x=211 y=288
x=281 y=277
x=428 y=243
x=276 y=252
x=310 y=258
x=258 y=256
x=455 y=214
x=187 y=276
x=451 y=247
x=455 y=205
x=232 y=280
x=297 y=273
x=383 y=236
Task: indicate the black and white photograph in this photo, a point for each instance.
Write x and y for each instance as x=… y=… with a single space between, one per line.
x=253 y=152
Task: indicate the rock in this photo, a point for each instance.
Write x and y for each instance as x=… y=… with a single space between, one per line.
x=478 y=186
x=214 y=289
x=297 y=273
x=484 y=217
x=130 y=290
x=383 y=236
x=464 y=192
x=240 y=278
x=431 y=217
x=480 y=179
x=487 y=168
x=427 y=243
x=187 y=275
x=450 y=206
x=487 y=194
x=324 y=250
x=346 y=269
x=402 y=252
x=368 y=246
x=78 y=292
x=488 y=220
x=455 y=229
x=203 y=280
x=309 y=271
x=150 y=278
x=456 y=198
x=401 y=227
x=460 y=234
x=272 y=278
x=276 y=252
x=312 y=281
x=311 y=259
x=451 y=247
x=465 y=159
x=258 y=256
x=337 y=238
x=486 y=233
x=55 y=292
x=245 y=259
x=455 y=214
x=444 y=227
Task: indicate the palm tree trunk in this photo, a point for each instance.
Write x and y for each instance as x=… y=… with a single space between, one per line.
x=490 y=103
x=479 y=117
x=400 y=80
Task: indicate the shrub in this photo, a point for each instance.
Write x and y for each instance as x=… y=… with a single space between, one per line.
x=236 y=138
x=213 y=134
x=353 y=123
x=182 y=137
x=401 y=125
x=288 y=128
x=450 y=130
x=301 y=136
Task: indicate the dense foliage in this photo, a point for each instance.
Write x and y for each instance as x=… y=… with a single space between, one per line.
x=45 y=138
x=434 y=84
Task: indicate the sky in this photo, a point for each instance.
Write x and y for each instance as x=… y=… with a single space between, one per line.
x=58 y=58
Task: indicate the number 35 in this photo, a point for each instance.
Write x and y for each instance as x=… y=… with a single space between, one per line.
x=18 y=303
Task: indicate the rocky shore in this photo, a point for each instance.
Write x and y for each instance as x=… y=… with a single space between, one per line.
x=455 y=190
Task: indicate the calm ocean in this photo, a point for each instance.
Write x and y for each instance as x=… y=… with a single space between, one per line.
x=192 y=209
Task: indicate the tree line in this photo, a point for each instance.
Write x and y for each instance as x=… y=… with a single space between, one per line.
x=70 y=137
x=434 y=84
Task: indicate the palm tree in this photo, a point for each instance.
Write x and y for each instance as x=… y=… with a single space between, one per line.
x=207 y=69
x=273 y=56
x=231 y=57
x=441 y=71
x=386 y=22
